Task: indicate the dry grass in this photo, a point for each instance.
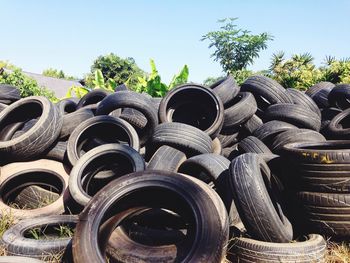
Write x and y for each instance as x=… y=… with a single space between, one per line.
x=338 y=253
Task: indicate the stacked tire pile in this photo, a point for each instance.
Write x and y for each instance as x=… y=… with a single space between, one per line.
x=204 y=173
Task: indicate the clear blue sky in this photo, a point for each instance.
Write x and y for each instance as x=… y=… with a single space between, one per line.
x=69 y=35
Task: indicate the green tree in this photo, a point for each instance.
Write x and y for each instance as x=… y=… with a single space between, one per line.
x=55 y=73
x=118 y=69
x=235 y=48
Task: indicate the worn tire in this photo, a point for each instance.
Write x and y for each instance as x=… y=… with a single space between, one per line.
x=18 y=245
x=183 y=137
x=124 y=159
x=45 y=173
x=300 y=98
x=339 y=96
x=37 y=139
x=107 y=129
x=239 y=111
x=226 y=88
x=129 y=99
x=294 y=114
x=255 y=203
x=166 y=158
x=72 y=120
x=209 y=246
x=93 y=97
x=193 y=105
x=9 y=94
x=247 y=250
x=252 y=144
x=66 y=106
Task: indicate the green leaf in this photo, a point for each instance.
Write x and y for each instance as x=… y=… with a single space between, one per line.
x=111 y=84
x=180 y=78
x=154 y=71
x=99 y=81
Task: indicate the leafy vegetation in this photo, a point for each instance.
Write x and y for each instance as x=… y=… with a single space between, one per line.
x=235 y=48
x=118 y=69
x=26 y=85
x=153 y=85
x=55 y=73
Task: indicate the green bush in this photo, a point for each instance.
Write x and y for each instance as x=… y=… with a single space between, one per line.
x=55 y=73
x=118 y=69
x=26 y=85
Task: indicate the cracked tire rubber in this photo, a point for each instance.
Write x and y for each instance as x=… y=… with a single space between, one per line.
x=294 y=114
x=186 y=138
x=193 y=105
x=259 y=209
x=17 y=244
x=326 y=213
x=246 y=250
x=166 y=158
x=37 y=139
x=45 y=173
x=129 y=99
x=226 y=88
x=100 y=130
x=191 y=198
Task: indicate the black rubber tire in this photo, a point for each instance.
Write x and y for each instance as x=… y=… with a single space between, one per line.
x=339 y=128
x=319 y=93
x=72 y=120
x=252 y=144
x=9 y=94
x=31 y=196
x=295 y=135
x=57 y=152
x=226 y=88
x=300 y=98
x=2 y=106
x=46 y=173
x=166 y=158
x=326 y=213
x=239 y=111
x=26 y=127
x=252 y=124
x=134 y=117
x=246 y=250
x=100 y=158
x=318 y=87
x=183 y=137
x=269 y=89
x=228 y=139
x=328 y=152
x=36 y=140
x=271 y=129
x=107 y=129
x=129 y=99
x=154 y=188
x=205 y=167
x=255 y=203
x=12 y=259
x=17 y=244
x=294 y=114
x=193 y=105
x=66 y=106
x=93 y=97
x=339 y=96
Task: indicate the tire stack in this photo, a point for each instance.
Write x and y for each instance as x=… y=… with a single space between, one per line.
x=322 y=187
x=135 y=176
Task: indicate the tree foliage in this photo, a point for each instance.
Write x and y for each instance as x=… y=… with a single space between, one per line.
x=235 y=48
x=55 y=73
x=118 y=69
x=26 y=85
x=153 y=84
